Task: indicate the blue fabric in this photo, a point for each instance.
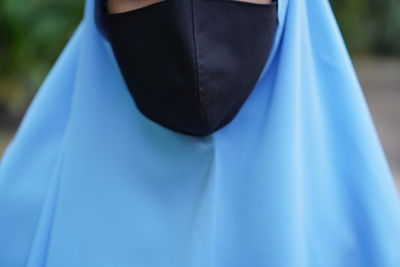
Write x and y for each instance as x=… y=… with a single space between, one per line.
x=297 y=179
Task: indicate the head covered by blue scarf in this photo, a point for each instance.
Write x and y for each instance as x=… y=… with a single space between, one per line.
x=297 y=179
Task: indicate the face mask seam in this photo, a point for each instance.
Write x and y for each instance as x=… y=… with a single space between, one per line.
x=196 y=65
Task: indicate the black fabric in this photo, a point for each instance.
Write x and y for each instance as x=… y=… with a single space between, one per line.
x=191 y=64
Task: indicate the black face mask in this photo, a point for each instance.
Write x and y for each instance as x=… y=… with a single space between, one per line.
x=191 y=64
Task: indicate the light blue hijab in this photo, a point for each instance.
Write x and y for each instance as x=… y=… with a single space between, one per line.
x=297 y=179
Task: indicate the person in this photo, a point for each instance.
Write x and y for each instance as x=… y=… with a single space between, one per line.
x=296 y=177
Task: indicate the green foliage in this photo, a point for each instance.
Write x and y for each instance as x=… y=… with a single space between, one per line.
x=370 y=26
x=32 y=34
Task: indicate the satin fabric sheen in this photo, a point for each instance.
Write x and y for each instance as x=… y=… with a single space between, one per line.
x=297 y=179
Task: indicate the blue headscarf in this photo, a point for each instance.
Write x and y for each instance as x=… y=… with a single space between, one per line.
x=297 y=179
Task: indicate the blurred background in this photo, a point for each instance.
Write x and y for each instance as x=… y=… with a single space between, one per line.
x=33 y=33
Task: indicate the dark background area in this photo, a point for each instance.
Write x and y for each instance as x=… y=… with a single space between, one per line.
x=33 y=33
